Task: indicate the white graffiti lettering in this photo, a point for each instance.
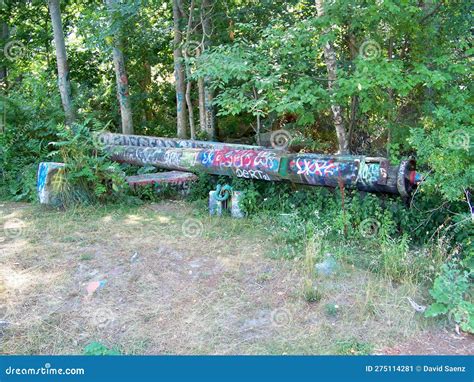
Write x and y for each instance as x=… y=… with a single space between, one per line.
x=252 y=174
x=311 y=167
x=172 y=158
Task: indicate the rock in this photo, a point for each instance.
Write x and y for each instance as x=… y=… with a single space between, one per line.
x=418 y=308
x=134 y=258
x=236 y=205
x=327 y=267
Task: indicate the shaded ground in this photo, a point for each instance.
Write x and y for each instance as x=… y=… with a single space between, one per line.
x=177 y=281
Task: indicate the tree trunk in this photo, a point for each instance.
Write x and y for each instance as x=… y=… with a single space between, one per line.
x=202 y=104
x=189 y=101
x=259 y=123
x=4 y=32
x=354 y=98
x=391 y=100
x=190 y=110
x=121 y=77
x=331 y=65
x=353 y=120
x=210 y=124
x=61 y=58
x=123 y=94
x=179 y=70
x=145 y=88
x=47 y=41
x=3 y=78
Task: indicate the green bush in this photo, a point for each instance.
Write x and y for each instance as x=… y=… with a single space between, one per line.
x=452 y=293
x=89 y=175
x=200 y=189
x=97 y=348
x=32 y=116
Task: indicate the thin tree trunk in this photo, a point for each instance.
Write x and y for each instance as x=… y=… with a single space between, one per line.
x=61 y=58
x=331 y=65
x=391 y=100
x=3 y=78
x=121 y=77
x=354 y=98
x=179 y=70
x=353 y=120
x=259 y=124
x=123 y=93
x=4 y=33
x=202 y=104
x=189 y=102
x=209 y=110
x=145 y=85
x=259 y=128
x=201 y=89
x=47 y=41
x=208 y=93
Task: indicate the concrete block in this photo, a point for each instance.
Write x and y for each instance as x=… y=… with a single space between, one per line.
x=236 y=206
x=49 y=183
x=215 y=206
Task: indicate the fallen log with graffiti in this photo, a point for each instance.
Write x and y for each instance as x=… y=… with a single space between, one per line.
x=252 y=162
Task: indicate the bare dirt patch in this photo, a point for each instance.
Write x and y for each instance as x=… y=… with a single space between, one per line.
x=433 y=343
x=175 y=281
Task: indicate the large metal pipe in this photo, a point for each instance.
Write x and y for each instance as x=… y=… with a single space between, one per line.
x=145 y=141
x=357 y=172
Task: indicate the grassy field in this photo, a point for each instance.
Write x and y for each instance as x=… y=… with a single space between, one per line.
x=175 y=281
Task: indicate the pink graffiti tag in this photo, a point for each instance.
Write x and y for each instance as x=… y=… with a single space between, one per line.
x=244 y=159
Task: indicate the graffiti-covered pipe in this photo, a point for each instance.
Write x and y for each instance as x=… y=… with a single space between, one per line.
x=145 y=141
x=357 y=172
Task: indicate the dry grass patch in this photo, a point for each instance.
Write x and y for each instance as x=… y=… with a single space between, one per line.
x=174 y=290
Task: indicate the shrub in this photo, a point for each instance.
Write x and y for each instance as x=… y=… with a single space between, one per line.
x=89 y=175
x=332 y=310
x=200 y=189
x=96 y=348
x=452 y=293
x=311 y=293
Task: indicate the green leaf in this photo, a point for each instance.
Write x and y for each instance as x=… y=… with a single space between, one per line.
x=436 y=309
